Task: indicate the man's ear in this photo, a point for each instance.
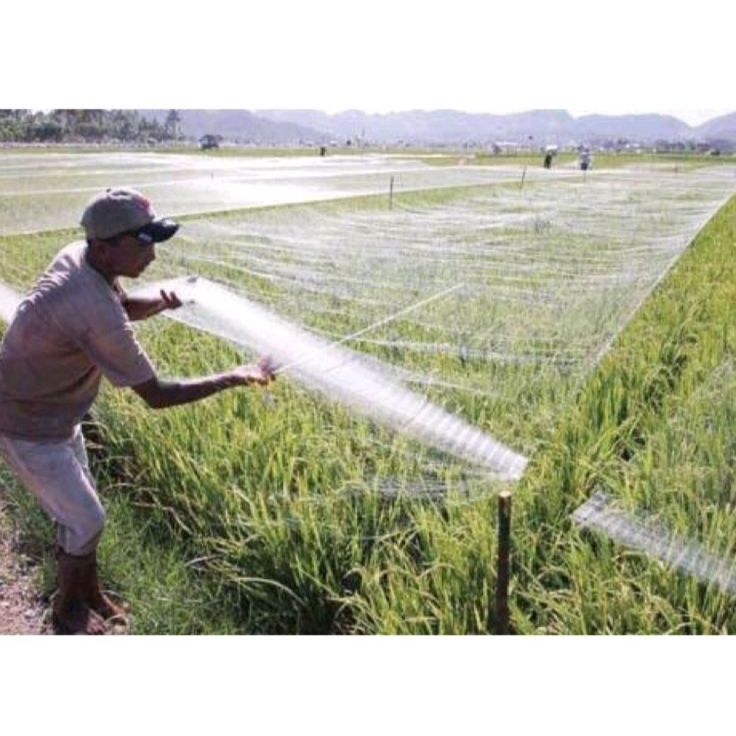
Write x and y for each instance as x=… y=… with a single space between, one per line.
x=98 y=250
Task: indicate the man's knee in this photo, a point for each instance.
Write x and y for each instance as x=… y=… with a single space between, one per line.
x=85 y=535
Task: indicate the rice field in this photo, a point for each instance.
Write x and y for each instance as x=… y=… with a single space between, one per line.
x=306 y=510
x=48 y=191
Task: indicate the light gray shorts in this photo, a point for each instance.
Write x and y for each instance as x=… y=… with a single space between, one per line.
x=57 y=474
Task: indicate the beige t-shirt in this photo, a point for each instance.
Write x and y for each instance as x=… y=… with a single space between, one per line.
x=66 y=334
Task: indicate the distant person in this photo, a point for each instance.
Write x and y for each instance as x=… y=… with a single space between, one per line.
x=586 y=160
x=548 y=160
x=73 y=328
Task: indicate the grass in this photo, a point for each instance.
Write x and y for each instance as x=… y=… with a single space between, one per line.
x=162 y=585
x=651 y=429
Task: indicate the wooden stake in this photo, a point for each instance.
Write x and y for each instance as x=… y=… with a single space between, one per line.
x=502 y=572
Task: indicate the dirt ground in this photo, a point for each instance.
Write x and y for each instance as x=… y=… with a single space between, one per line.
x=22 y=610
x=23 y=607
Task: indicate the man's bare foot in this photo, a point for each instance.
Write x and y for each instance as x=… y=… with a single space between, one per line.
x=77 y=618
x=106 y=607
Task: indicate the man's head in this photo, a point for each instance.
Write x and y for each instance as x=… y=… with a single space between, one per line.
x=119 y=211
x=122 y=229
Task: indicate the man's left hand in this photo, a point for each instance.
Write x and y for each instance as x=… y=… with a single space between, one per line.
x=169 y=300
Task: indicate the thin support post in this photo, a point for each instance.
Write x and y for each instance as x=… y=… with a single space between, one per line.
x=502 y=572
x=523 y=176
x=391 y=194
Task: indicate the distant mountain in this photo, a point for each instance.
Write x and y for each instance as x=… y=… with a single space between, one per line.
x=449 y=127
x=241 y=126
x=634 y=127
x=541 y=126
x=723 y=127
x=434 y=126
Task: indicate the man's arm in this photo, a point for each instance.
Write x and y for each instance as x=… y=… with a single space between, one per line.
x=139 y=307
x=159 y=394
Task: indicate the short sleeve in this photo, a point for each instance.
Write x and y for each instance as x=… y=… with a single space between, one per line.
x=119 y=355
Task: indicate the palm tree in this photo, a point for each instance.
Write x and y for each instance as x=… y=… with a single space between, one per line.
x=171 y=125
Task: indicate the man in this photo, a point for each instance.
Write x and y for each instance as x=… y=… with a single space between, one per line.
x=73 y=328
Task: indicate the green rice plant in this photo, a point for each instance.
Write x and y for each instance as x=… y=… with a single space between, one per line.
x=622 y=436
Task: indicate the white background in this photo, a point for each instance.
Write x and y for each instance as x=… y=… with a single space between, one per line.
x=586 y=57
x=598 y=56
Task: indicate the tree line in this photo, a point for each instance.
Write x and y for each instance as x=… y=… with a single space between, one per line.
x=87 y=126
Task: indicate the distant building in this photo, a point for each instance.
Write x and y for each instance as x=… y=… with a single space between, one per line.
x=209 y=141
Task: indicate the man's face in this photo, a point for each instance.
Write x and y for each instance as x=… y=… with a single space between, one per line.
x=128 y=256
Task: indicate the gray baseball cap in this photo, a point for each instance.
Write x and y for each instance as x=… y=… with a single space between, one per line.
x=117 y=211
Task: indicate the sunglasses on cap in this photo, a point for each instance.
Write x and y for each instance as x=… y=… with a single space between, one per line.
x=154 y=232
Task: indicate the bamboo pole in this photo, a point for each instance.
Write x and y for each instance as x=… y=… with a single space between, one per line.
x=502 y=573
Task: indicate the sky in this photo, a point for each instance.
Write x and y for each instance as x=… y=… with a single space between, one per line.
x=623 y=57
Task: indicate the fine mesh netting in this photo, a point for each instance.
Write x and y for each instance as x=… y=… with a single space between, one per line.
x=536 y=280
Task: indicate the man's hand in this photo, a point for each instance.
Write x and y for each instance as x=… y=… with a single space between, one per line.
x=138 y=307
x=169 y=300
x=260 y=373
x=160 y=394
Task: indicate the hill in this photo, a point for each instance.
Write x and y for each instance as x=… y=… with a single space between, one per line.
x=443 y=127
x=636 y=127
x=434 y=126
x=723 y=127
x=540 y=126
x=242 y=126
